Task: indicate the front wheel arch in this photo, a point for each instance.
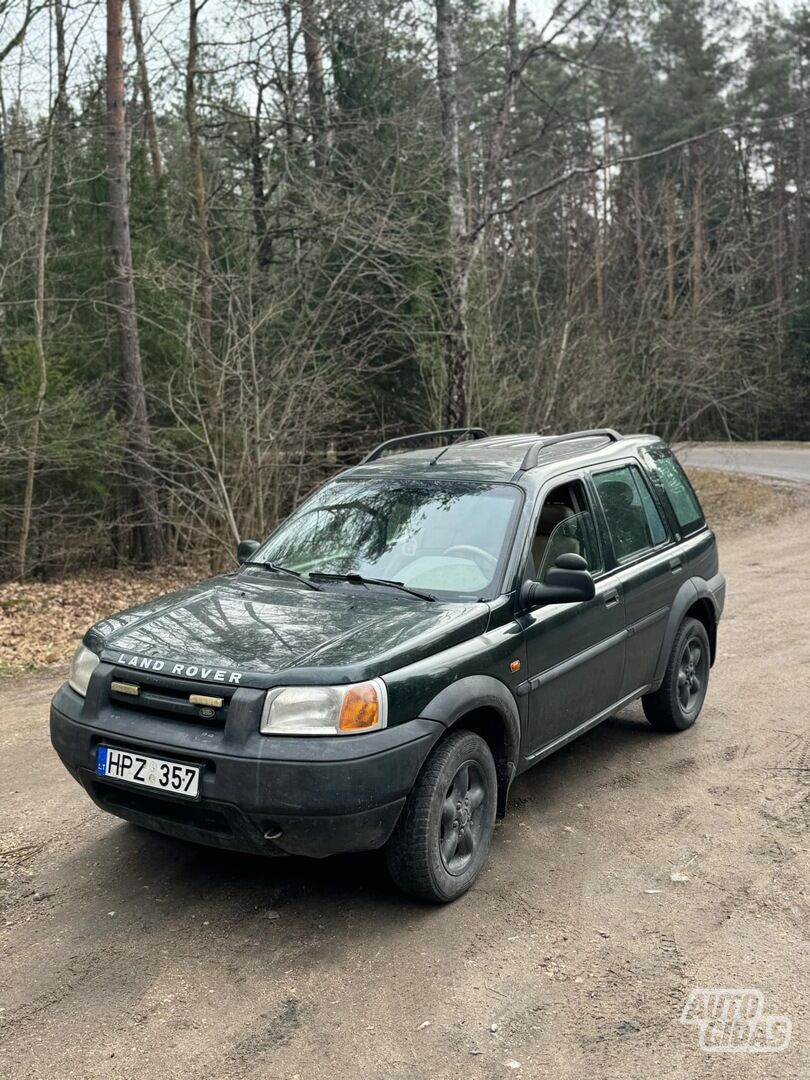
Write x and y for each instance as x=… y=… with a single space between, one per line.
x=484 y=705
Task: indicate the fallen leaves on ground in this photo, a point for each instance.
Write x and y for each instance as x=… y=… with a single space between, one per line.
x=41 y=622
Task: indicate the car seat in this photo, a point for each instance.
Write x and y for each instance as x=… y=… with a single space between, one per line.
x=626 y=519
x=551 y=516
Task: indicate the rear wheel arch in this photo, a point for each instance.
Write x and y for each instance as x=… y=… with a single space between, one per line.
x=704 y=611
x=693 y=600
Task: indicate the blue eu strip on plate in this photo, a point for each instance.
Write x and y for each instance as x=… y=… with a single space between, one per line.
x=101 y=761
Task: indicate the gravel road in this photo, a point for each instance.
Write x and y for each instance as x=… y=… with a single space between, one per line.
x=780 y=462
x=129 y=955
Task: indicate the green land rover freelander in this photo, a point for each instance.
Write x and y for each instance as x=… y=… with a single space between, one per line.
x=425 y=627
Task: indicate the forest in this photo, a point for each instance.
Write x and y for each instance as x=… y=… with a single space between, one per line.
x=243 y=240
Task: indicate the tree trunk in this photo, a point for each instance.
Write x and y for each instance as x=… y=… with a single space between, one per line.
x=638 y=221
x=2 y=161
x=313 y=54
x=62 y=107
x=499 y=143
x=42 y=362
x=288 y=82
x=670 y=241
x=264 y=242
x=697 y=238
x=457 y=354
x=798 y=212
x=598 y=235
x=147 y=539
x=146 y=92
x=779 y=233
x=199 y=194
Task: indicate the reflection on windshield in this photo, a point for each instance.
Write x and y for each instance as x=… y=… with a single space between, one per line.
x=435 y=535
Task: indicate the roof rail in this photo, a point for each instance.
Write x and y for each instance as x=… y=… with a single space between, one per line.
x=473 y=432
x=532 y=454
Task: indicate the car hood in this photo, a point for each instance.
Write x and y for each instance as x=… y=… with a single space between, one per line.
x=256 y=629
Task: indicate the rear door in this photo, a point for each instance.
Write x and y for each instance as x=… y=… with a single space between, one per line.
x=644 y=562
x=574 y=652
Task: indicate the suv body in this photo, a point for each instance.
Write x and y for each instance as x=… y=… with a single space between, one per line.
x=452 y=691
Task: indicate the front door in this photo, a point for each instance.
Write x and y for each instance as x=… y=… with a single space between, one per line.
x=575 y=652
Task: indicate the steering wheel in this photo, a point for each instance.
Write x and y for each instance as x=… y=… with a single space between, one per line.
x=477 y=553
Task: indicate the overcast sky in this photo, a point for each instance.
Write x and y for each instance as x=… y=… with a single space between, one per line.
x=165 y=27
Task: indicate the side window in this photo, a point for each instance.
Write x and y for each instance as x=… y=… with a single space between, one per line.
x=678 y=490
x=575 y=534
x=565 y=525
x=632 y=516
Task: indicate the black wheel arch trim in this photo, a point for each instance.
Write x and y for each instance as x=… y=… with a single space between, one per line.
x=692 y=590
x=475 y=692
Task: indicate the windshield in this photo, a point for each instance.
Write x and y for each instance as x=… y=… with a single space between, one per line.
x=439 y=536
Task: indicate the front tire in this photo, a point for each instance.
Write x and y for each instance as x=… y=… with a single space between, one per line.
x=676 y=705
x=442 y=838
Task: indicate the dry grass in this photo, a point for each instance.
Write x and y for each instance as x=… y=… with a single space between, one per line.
x=41 y=622
x=728 y=499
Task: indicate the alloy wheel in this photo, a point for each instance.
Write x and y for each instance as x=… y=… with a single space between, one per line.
x=461 y=820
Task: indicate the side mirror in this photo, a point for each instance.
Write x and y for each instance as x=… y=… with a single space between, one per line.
x=246 y=549
x=567 y=582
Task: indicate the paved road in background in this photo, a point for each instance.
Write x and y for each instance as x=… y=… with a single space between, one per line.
x=779 y=462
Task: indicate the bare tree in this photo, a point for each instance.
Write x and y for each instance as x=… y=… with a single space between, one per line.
x=147 y=541
x=146 y=90
x=39 y=346
x=313 y=54
x=457 y=349
x=199 y=195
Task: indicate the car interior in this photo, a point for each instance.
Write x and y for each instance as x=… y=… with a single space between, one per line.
x=562 y=527
x=625 y=515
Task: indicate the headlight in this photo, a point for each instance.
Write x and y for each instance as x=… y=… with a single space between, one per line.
x=82 y=666
x=325 y=710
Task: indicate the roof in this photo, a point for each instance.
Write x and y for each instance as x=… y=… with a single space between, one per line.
x=501 y=457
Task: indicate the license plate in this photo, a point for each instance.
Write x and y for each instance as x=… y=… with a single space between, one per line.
x=148 y=772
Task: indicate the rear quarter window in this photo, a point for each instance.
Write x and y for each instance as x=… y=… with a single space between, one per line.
x=673 y=482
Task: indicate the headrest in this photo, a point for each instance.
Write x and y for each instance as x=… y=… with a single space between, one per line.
x=551 y=515
x=616 y=492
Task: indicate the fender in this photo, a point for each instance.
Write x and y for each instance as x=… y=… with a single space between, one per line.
x=477 y=692
x=691 y=590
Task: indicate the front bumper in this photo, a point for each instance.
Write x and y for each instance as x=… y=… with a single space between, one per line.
x=273 y=795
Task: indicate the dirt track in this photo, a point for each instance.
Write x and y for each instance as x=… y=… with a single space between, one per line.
x=126 y=954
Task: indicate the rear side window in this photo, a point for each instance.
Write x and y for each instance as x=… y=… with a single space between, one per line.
x=632 y=516
x=679 y=492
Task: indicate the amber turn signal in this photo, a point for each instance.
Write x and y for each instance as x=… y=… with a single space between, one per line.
x=361 y=709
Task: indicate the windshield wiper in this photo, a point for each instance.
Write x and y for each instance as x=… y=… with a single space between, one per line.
x=286 y=570
x=358 y=579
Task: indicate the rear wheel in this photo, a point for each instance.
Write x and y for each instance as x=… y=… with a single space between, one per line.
x=676 y=705
x=442 y=839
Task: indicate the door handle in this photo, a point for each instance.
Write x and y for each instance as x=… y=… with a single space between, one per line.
x=675 y=565
x=611 y=598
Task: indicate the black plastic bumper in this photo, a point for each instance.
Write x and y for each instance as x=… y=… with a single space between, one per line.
x=272 y=795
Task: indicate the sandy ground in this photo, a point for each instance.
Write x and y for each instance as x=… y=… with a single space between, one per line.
x=128 y=955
